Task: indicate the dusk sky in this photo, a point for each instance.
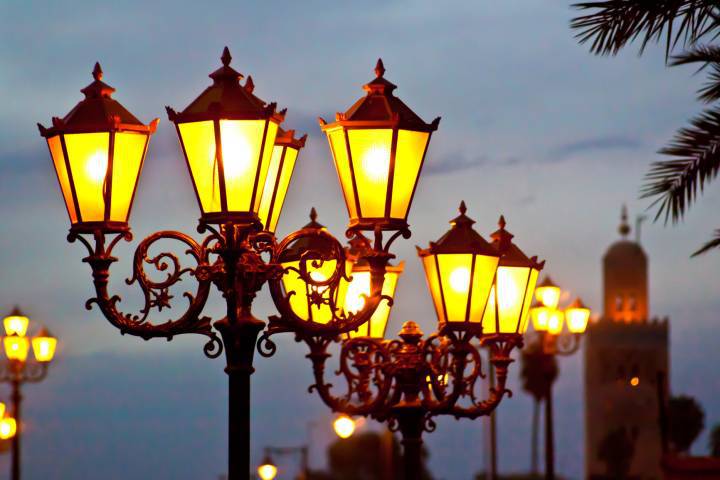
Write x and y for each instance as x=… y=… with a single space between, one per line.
x=533 y=127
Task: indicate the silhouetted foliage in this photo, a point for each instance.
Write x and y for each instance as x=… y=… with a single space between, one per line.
x=361 y=457
x=617 y=450
x=695 y=150
x=714 y=441
x=687 y=419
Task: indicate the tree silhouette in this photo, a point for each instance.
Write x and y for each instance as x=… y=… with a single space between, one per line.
x=617 y=450
x=538 y=372
x=687 y=420
x=714 y=441
x=695 y=150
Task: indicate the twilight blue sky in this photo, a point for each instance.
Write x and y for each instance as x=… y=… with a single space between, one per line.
x=533 y=127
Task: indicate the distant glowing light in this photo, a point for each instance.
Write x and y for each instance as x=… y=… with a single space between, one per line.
x=344 y=426
x=635 y=381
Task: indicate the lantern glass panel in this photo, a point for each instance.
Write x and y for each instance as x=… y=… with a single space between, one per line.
x=127 y=160
x=277 y=182
x=548 y=295
x=555 y=322
x=198 y=139
x=354 y=302
x=292 y=282
x=512 y=301
x=16 y=348
x=55 y=145
x=242 y=141
x=16 y=324
x=342 y=164
x=484 y=273
x=88 y=154
x=408 y=159
x=455 y=275
x=44 y=348
x=370 y=151
x=433 y=279
x=577 y=319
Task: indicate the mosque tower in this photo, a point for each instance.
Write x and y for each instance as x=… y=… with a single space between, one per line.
x=625 y=353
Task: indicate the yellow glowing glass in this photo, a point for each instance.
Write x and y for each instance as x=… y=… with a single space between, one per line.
x=508 y=305
x=2 y=409
x=540 y=318
x=16 y=324
x=55 y=145
x=16 y=348
x=344 y=426
x=44 y=348
x=277 y=182
x=370 y=153
x=198 y=140
x=88 y=155
x=408 y=159
x=267 y=471
x=339 y=149
x=292 y=282
x=548 y=295
x=555 y=322
x=8 y=428
x=354 y=300
x=577 y=318
x=128 y=155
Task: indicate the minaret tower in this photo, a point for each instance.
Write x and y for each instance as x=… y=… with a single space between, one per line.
x=625 y=352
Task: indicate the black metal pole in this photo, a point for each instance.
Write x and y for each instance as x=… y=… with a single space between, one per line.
x=549 y=437
x=16 y=401
x=410 y=420
x=493 y=431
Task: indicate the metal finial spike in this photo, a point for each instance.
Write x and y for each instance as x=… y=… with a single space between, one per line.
x=379 y=68
x=624 y=228
x=313 y=214
x=462 y=208
x=97 y=72
x=226 y=57
x=249 y=84
x=501 y=222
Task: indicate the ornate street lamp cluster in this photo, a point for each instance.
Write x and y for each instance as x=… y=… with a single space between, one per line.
x=17 y=369
x=241 y=163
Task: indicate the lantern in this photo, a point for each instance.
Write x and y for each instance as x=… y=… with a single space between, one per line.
x=16 y=347
x=359 y=288
x=282 y=163
x=548 y=293
x=555 y=322
x=98 y=151
x=577 y=316
x=16 y=323
x=8 y=428
x=308 y=251
x=44 y=345
x=344 y=426
x=513 y=287
x=267 y=470
x=540 y=316
x=227 y=136
x=459 y=269
x=378 y=146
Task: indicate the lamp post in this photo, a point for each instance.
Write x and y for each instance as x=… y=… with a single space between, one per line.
x=240 y=163
x=18 y=369
x=551 y=340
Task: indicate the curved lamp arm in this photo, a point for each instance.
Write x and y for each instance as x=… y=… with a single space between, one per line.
x=23 y=371
x=155 y=292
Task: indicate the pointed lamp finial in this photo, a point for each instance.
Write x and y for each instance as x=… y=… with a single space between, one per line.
x=379 y=68
x=97 y=72
x=226 y=57
x=463 y=207
x=501 y=222
x=624 y=228
x=313 y=214
x=249 y=84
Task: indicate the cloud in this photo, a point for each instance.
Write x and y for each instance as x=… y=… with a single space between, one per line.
x=454 y=163
x=570 y=149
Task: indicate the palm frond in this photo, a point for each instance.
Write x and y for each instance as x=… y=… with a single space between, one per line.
x=675 y=183
x=614 y=23
x=714 y=243
x=707 y=56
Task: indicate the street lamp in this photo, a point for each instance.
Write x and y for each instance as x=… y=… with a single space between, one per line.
x=482 y=293
x=550 y=340
x=268 y=470
x=240 y=162
x=18 y=369
x=344 y=426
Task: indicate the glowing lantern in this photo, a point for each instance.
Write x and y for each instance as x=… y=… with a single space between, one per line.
x=359 y=286
x=540 y=315
x=344 y=426
x=577 y=316
x=2 y=409
x=513 y=288
x=98 y=151
x=227 y=136
x=43 y=345
x=282 y=163
x=8 y=428
x=459 y=269
x=16 y=323
x=310 y=249
x=378 y=145
x=548 y=293
x=555 y=322
x=267 y=470
x=16 y=347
